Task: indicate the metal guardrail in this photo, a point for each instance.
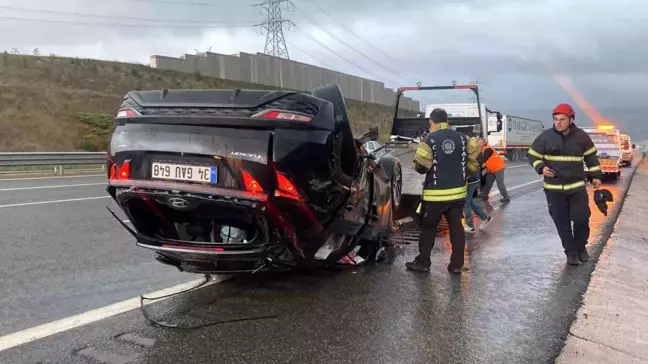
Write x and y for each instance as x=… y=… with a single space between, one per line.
x=51 y=158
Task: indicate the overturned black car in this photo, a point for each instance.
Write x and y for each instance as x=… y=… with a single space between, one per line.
x=241 y=181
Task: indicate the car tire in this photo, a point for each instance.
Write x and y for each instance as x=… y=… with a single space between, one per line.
x=333 y=94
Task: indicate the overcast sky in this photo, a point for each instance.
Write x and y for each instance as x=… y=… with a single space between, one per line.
x=506 y=45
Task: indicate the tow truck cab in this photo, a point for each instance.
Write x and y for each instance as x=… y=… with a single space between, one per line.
x=607 y=140
x=469 y=118
x=626 y=150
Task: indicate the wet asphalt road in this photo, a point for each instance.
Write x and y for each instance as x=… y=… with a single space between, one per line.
x=63 y=258
x=514 y=305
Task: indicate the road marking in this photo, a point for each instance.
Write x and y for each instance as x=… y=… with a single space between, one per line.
x=53 y=177
x=54 y=201
x=518 y=166
x=53 y=186
x=55 y=327
x=516 y=187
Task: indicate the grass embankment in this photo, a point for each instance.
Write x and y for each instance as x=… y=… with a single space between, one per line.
x=58 y=104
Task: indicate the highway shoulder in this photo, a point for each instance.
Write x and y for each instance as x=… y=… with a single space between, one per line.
x=611 y=324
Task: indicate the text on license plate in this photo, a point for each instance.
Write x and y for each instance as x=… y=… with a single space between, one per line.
x=183 y=172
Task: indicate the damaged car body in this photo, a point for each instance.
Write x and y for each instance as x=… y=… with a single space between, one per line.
x=241 y=181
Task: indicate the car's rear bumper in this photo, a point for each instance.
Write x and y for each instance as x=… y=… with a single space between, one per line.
x=148 y=203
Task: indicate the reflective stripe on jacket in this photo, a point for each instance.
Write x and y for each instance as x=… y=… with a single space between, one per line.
x=446 y=157
x=565 y=154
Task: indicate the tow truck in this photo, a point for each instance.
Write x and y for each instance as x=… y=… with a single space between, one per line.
x=607 y=140
x=409 y=126
x=626 y=150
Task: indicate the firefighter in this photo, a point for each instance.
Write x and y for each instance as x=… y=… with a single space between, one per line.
x=446 y=157
x=558 y=154
x=495 y=166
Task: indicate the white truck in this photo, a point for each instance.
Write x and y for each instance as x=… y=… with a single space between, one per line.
x=607 y=140
x=465 y=110
x=626 y=150
x=516 y=136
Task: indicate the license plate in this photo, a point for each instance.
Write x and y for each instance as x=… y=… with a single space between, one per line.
x=184 y=172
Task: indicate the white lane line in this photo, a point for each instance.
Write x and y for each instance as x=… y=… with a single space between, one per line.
x=516 y=187
x=54 y=201
x=519 y=166
x=52 y=186
x=52 y=177
x=38 y=332
x=35 y=333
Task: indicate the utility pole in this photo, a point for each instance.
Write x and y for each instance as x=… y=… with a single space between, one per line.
x=275 y=44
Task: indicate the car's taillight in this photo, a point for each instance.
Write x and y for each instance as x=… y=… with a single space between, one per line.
x=124 y=170
x=283 y=115
x=121 y=172
x=127 y=113
x=285 y=188
x=251 y=184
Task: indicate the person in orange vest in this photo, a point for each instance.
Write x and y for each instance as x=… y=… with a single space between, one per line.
x=495 y=166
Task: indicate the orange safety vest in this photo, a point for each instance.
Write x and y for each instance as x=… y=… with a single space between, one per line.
x=495 y=162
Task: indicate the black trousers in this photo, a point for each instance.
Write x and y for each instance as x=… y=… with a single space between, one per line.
x=565 y=208
x=431 y=213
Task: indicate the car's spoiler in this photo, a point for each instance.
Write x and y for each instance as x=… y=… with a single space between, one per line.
x=227 y=108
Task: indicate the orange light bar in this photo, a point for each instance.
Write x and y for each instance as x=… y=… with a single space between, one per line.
x=605 y=127
x=466 y=86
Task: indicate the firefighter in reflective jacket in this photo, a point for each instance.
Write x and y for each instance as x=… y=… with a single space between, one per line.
x=558 y=154
x=446 y=157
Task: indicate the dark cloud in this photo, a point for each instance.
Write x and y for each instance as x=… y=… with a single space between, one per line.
x=504 y=44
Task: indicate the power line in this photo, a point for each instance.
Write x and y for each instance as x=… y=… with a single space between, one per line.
x=347 y=44
x=275 y=44
x=357 y=36
x=110 y=16
x=310 y=55
x=194 y=3
x=337 y=54
x=214 y=25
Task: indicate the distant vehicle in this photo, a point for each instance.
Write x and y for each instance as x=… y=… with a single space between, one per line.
x=242 y=181
x=607 y=140
x=376 y=149
x=626 y=150
x=516 y=136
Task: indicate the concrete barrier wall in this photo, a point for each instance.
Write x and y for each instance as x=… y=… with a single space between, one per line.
x=278 y=72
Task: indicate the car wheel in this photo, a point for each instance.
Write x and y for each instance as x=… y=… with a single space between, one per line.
x=333 y=94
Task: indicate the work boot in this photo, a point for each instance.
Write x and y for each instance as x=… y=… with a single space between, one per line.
x=505 y=200
x=583 y=255
x=417 y=266
x=572 y=258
